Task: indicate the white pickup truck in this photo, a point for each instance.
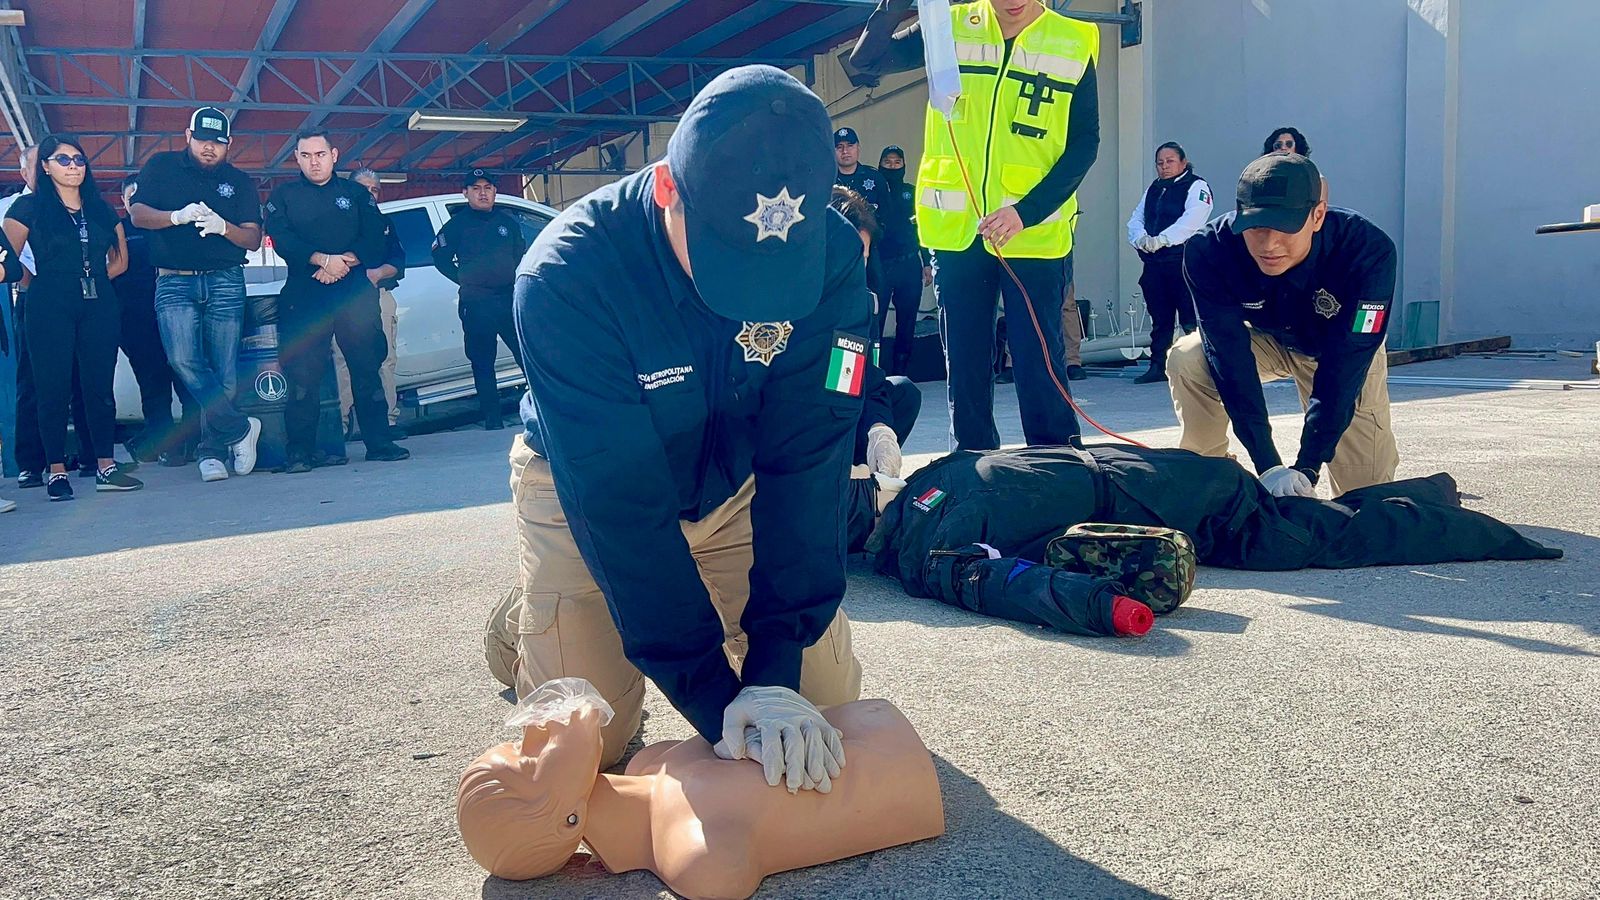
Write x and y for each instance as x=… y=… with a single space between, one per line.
x=430 y=364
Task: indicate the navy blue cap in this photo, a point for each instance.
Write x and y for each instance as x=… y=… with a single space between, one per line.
x=892 y=148
x=1277 y=191
x=475 y=176
x=846 y=135
x=752 y=162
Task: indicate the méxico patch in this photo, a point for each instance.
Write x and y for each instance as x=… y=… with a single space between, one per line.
x=929 y=500
x=847 y=364
x=1369 y=318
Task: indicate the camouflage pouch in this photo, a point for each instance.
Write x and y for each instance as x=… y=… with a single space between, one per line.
x=1155 y=565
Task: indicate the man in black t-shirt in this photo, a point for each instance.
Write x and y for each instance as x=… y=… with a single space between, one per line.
x=202 y=215
x=140 y=341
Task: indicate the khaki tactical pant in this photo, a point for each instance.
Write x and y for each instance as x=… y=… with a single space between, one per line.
x=1366 y=454
x=1072 y=324
x=388 y=312
x=556 y=623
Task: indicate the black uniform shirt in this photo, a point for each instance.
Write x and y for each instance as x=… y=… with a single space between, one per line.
x=867 y=182
x=480 y=250
x=898 y=219
x=394 y=254
x=173 y=180
x=1333 y=307
x=138 y=283
x=334 y=217
x=652 y=409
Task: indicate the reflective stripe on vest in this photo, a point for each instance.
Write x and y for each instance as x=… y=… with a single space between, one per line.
x=1010 y=125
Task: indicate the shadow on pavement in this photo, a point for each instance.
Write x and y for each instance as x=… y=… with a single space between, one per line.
x=983 y=853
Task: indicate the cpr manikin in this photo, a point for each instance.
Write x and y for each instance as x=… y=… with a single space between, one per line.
x=707 y=827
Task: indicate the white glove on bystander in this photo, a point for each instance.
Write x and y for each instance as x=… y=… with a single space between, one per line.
x=188 y=214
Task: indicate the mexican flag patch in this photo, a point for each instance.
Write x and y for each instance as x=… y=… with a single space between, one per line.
x=1369 y=318
x=929 y=500
x=847 y=365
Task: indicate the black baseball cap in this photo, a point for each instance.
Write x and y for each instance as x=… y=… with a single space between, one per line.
x=1277 y=191
x=209 y=124
x=845 y=136
x=475 y=176
x=892 y=148
x=752 y=162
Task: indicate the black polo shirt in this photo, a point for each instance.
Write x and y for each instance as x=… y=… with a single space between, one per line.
x=652 y=409
x=480 y=250
x=865 y=181
x=334 y=217
x=172 y=180
x=1333 y=307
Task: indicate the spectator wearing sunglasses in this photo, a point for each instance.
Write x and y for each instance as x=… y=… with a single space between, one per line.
x=1287 y=139
x=74 y=318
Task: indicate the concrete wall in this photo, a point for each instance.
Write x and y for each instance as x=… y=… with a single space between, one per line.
x=1520 y=138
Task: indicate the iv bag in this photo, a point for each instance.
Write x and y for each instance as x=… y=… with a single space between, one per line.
x=939 y=52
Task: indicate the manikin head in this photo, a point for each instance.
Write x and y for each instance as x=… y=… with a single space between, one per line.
x=315 y=156
x=523 y=805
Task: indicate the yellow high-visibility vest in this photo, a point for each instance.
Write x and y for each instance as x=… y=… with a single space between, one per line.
x=1011 y=125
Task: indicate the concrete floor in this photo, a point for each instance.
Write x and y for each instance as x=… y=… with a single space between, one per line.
x=267 y=687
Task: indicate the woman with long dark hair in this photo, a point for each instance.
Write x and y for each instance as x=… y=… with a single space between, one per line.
x=74 y=318
x=1287 y=139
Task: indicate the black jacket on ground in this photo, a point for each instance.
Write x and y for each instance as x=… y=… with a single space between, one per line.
x=1017 y=500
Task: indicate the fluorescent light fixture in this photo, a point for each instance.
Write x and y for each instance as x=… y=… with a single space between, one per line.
x=391 y=178
x=14 y=17
x=464 y=121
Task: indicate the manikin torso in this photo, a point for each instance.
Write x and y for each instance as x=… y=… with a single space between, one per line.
x=713 y=828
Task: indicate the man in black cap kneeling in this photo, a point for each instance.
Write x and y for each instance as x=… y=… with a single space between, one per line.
x=1288 y=287
x=695 y=337
x=479 y=249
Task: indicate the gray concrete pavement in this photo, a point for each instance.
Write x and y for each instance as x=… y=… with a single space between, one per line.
x=266 y=688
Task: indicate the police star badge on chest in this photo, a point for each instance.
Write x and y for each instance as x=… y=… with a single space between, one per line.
x=1326 y=305
x=763 y=340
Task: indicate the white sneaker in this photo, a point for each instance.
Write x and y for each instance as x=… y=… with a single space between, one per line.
x=244 y=452
x=7 y=505
x=213 y=470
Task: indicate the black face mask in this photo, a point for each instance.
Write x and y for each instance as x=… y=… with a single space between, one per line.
x=893 y=176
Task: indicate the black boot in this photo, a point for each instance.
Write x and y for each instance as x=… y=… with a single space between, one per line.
x=1152 y=375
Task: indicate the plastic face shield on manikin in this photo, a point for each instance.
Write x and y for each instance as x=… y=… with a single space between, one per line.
x=522 y=806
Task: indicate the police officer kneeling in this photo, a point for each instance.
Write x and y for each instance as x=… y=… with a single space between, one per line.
x=1287 y=287
x=479 y=249
x=695 y=344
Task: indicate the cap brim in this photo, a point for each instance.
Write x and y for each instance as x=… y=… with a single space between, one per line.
x=208 y=135
x=780 y=284
x=1277 y=218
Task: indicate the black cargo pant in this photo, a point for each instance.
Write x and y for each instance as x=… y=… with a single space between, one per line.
x=968 y=283
x=902 y=292
x=486 y=320
x=1167 y=298
x=309 y=316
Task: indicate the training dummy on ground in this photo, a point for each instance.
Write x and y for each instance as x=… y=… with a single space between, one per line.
x=706 y=826
x=1018 y=500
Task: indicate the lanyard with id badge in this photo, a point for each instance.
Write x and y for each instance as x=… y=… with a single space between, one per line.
x=90 y=291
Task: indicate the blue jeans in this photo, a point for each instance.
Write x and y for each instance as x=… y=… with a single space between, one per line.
x=202 y=321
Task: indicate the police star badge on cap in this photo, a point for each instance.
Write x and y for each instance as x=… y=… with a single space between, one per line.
x=774 y=216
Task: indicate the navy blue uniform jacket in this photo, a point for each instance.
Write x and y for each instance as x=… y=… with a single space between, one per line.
x=1333 y=307
x=651 y=411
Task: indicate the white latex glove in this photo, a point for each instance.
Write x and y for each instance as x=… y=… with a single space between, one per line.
x=1159 y=242
x=1282 y=481
x=793 y=741
x=210 y=223
x=1138 y=242
x=883 y=450
x=188 y=214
